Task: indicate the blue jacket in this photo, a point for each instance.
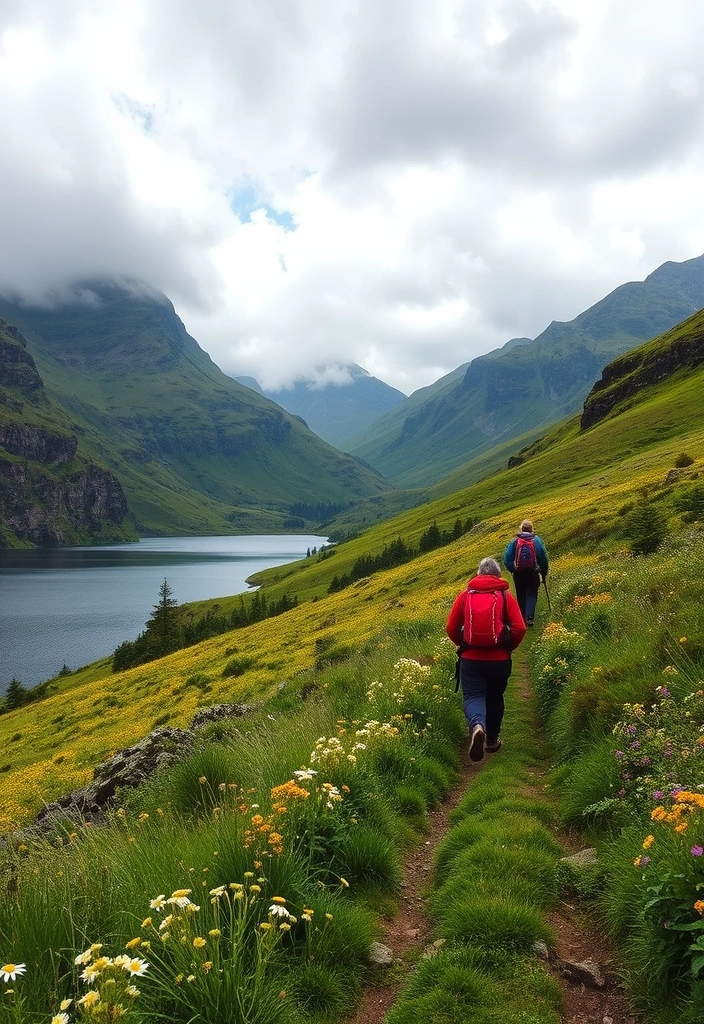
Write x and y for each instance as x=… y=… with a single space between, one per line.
x=541 y=554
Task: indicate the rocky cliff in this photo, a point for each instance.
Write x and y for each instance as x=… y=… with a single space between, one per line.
x=49 y=495
x=648 y=365
x=17 y=368
x=39 y=508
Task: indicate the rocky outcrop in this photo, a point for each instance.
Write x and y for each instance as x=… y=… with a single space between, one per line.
x=37 y=443
x=646 y=366
x=17 y=368
x=128 y=769
x=125 y=770
x=44 y=499
x=46 y=510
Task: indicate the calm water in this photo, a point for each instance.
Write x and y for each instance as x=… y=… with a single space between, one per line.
x=74 y=605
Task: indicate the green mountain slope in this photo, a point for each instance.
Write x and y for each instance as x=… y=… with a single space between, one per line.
x=505 y=394
x=621 y=627
x=50 y=493
x=572 y=471
x=194 y=451
x=336 y=412
x=575 y=482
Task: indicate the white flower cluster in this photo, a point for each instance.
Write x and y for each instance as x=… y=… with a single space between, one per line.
x=328 y=753
x=374 y=730
x=373 y=690
x=408 y=676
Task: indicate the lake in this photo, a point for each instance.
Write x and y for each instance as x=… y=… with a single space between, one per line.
x=71 y=606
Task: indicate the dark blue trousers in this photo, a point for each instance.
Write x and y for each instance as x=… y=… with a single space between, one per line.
x=483 y=686
x=527 y=584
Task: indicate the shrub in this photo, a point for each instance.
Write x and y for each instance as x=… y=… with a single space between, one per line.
x=558 y=653
x=645 y=528
x=320 y=990
x=683 y=460
x=198 y=679
x=237 y=666
x=691 y=503
x=365 y=856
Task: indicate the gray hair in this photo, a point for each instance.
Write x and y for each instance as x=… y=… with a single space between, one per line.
x=489 y=567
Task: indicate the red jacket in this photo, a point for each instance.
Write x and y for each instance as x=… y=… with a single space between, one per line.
x=455 y=620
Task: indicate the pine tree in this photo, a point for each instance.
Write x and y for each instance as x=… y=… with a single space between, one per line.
x=163 y=626
x=16 y=695
x=646 y=528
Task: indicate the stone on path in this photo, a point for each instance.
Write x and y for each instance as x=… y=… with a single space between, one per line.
x=583 y=859
x=586 y=971
x=380 y=955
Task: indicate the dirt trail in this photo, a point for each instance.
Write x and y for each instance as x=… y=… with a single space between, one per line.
x=409 y=932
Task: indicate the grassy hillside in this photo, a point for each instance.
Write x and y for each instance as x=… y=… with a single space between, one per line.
x=505 y=394
x=367 y=701
x=575 y=485
x=195 y=451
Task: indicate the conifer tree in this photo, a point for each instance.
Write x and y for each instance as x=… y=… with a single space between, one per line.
x=646 y=527
x=163 y=627
x=15 y=696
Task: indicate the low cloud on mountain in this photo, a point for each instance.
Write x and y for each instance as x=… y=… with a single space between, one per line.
x=401 y=185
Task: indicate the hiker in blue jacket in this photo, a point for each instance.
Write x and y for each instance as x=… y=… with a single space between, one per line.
x=527 y=561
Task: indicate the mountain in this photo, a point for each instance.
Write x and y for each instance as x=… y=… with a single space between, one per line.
x=387 y=429
x=336 y=411
x=577 y=481
x=633 y=376
x=193 y=450
x=49 y=492
x=521 y=389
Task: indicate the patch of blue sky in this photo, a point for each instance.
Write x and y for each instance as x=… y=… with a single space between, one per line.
x=136 y=111
x=247 y=198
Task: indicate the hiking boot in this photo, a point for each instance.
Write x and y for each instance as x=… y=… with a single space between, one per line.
x=529 y=622
x=492 y=746
x=476 y=747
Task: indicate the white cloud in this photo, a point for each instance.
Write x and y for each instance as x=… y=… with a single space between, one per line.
x=398 y=183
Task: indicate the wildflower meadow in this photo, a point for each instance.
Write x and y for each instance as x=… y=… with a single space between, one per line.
x=619 y=678
x=239 y=886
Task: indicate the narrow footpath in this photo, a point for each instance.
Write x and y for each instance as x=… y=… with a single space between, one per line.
x=409 y=932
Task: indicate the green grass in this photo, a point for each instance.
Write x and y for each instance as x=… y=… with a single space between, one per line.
x=576 y=487
x=197 y=826
x=495 y=872
x=461 y=984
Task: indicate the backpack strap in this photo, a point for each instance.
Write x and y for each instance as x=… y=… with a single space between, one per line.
x=507 y=623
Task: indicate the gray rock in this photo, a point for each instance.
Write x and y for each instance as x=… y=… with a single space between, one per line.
x=541 y=950
x=217 y=712
x=584 y=859
x=127 y=769
x=588 y=972
x=380 y=955
x=433 y=949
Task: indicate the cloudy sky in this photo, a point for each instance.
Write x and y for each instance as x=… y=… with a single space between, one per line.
x=403 y=184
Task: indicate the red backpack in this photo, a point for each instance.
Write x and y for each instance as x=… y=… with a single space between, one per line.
x=486 y=619
x=525 y=557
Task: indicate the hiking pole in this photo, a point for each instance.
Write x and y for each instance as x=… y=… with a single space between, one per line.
x=547 y=595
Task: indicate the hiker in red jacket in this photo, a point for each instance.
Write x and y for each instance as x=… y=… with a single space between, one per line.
x=486 y=624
